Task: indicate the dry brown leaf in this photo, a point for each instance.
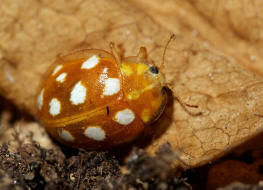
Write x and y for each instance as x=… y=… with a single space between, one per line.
x=220 y=103
x=232 y=26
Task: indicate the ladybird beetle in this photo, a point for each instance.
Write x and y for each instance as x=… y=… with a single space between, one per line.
x=93 y=99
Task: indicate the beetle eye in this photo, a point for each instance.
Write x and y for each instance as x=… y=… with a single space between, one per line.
x=154 y=70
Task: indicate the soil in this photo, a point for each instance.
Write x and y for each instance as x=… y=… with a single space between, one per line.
x=34 y=167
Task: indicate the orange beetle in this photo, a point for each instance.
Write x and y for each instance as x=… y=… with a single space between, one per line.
x=94 y=99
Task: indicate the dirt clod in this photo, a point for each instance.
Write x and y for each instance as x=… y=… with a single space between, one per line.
x=145 y=172
x=34 y=167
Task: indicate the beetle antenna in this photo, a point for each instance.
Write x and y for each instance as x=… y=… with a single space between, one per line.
x=165 y=48
x=115 y=53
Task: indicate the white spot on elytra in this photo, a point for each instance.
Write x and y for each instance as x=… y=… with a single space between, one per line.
x=95 y=133
x=78 y=94
x=54 y=107
x=112 y=86
x=90 y=63
x=61 y=78
x=57 y=69
x=124 y=117
x=105 y=70
x=104 y=75
x=40 y=99
x=65 y=135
